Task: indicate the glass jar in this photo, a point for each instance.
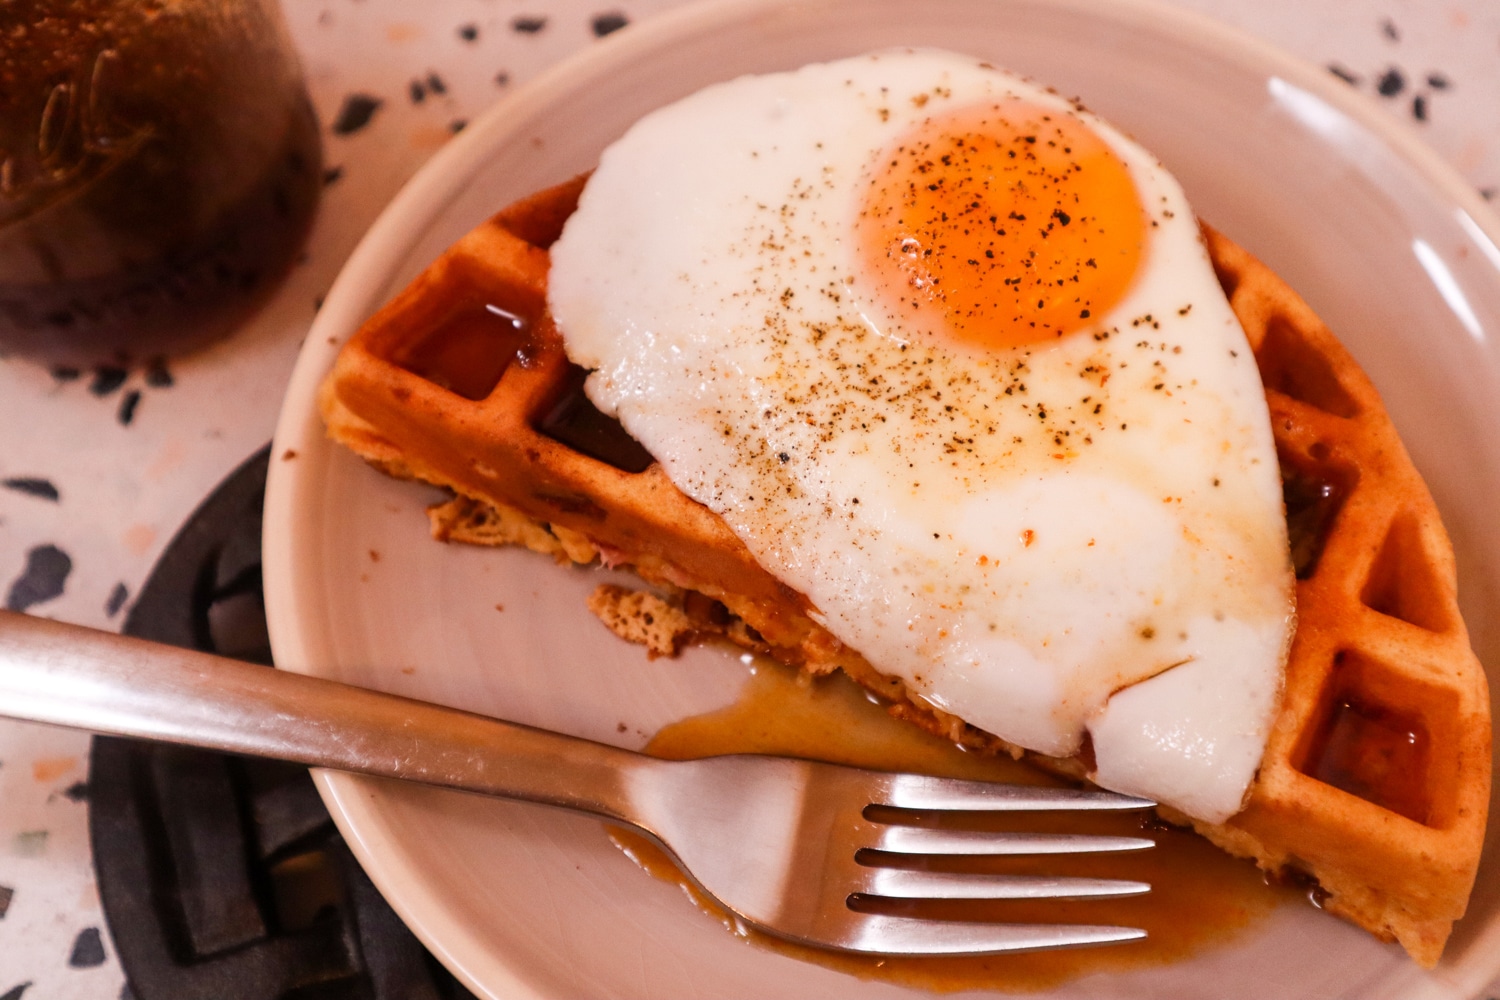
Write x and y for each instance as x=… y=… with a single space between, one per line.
x=160 y=166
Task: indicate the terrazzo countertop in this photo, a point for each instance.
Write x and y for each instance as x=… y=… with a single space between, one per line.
x=99 y=468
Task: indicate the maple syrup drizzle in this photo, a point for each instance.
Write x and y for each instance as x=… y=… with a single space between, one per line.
x=1200 y=896
x=469 y=349
x=1378 y=754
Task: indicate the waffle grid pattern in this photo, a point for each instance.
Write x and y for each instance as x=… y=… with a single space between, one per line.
x=1379 y=638
x=1376 y=779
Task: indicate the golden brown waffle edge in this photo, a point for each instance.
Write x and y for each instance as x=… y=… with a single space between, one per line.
x=1375 y=781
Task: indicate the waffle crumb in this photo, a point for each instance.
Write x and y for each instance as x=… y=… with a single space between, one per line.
x=472 y=522
x=642 y=618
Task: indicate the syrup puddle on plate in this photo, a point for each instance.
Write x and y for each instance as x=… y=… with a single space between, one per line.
x=1199 y=895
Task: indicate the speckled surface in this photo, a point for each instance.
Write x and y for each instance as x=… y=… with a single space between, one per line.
x=98 y=468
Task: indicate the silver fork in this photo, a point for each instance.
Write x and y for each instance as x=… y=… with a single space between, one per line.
x=785 y=844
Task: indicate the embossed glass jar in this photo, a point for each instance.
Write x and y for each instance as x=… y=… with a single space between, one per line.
x=159 y=168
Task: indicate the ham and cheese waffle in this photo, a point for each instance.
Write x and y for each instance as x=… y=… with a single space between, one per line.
x=1375 y=781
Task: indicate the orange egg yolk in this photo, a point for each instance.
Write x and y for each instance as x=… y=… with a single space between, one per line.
x=1003 y=226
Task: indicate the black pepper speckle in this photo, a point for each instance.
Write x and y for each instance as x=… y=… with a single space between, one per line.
x=66 y=373
x=15 y=992
x=355 y=113
x=1391 y=83
x=6 y=895
x=435 y=84
x=78 y=791
x=332 y=175
x=468 y=32
x=528 y=25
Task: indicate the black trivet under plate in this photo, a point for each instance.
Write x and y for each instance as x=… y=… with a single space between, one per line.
x=223 y=878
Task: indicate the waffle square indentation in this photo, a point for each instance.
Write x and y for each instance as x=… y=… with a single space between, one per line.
x=1314 y=492
x=1293 y=367
x=1403 y=581
x=468 y=348
x=1380 y=733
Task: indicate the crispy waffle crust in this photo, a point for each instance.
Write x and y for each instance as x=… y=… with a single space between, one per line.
x=1375 y=782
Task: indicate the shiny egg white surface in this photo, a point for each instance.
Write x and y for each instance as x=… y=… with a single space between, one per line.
x=948 y=354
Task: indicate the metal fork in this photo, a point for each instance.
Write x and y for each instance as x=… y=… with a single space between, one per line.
x=786 y=844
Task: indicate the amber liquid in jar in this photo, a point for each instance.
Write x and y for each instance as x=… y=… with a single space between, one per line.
x=160 y=165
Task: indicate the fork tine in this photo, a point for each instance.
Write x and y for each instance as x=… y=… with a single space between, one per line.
x=921 y=840
x=903 y=884
x=913 y=936
x=920 y=791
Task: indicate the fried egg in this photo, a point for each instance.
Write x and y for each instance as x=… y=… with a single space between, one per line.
x=947 y=353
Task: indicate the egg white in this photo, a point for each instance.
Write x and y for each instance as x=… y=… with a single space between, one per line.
x=1080 y=538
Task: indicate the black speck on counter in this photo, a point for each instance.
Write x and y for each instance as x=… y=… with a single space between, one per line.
x=457 y=125
x=158 y=376
x=435 y=84
x=1437 y=81
x=331 y=175
x=107 y=378
x=417 y=90
x=356 y=113
x=33 y=486
x=469 y=32
x=1391 y=83
x=1419 y=108
x=15 y=992
x=116 y=601
x=1489 y=193
x=1343 y=73
x=47 y=569
x=609 y=22
x=528 y=25
x=88 y=949
x=6 y=895
x=128 y=405
x=502 y=79
x=1389 y=29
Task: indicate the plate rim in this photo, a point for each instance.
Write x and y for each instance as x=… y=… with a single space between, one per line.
x=442 y=179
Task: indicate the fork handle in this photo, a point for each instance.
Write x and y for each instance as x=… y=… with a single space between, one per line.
x=83 y=678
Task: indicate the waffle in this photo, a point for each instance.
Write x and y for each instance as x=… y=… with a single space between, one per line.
x=1375 y=781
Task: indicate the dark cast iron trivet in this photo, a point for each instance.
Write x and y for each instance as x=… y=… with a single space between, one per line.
x=223 y=878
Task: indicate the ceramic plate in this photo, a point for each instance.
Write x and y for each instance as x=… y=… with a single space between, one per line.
x=1384 y=241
